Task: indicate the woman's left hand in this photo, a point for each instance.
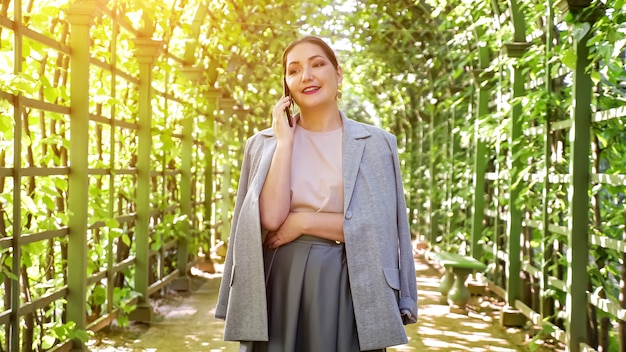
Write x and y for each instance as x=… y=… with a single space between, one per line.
x=287 y=232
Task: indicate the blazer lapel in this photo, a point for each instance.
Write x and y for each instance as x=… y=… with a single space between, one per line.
x=354 y=139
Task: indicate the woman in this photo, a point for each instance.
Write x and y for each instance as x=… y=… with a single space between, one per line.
x=320 y=255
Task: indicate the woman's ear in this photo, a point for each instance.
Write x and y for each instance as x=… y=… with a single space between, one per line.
x=339 y=75
x=339 y=79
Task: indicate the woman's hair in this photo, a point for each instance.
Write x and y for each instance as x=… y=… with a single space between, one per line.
x=313 y=40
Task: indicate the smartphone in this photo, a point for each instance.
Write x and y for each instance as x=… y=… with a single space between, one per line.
x=288 y=110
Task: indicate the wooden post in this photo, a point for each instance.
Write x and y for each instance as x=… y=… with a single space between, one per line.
x=433 y=212
x=227 y=106
x=578 y=224
x=511 y=316
x=182 y=282
x=576 y=300
x=480 y=157
x=16 y=290
x=213 y=96
x=146 y=52
x=546 y=304
x=80 y=15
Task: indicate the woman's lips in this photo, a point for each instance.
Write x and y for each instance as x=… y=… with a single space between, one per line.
x=310 y=90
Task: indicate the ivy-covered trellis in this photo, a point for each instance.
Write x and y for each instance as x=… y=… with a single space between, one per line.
x=513 y=117
x=121 y=126
x=518 y=109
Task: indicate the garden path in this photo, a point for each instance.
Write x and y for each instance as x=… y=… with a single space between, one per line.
x=185 y=322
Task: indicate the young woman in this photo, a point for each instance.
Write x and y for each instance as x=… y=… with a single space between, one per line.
x=320 y=256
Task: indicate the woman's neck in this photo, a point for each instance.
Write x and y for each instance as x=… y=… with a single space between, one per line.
x=320 y=119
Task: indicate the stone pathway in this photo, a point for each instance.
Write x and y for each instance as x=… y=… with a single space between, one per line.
x=186 y=323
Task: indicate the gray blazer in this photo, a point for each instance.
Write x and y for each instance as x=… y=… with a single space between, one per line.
x=377 y=241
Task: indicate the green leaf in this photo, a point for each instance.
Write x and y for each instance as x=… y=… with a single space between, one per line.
x=63 y=218
x=156 y=245
x=99 y=295
x=569 y=58
x=81 y=335
x=50 y=93
x=6 y=59
x=123 y=321
x=29 y=204
x=580 y=30
x=6 y=125
x=48 y=341
x=112 y=223
x=595 y=77
x=126 y=239
x=619 y=47
x=60 y=183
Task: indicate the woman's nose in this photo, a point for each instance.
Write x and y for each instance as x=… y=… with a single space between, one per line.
x=306 y=74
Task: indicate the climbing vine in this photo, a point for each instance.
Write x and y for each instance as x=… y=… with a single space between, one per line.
x=412 y=68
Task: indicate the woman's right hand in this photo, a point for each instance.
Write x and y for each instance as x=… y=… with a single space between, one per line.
x=275 y=198
x=281 y=127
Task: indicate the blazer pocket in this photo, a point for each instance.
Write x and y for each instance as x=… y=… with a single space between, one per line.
x=392 y=276
x=232 y=275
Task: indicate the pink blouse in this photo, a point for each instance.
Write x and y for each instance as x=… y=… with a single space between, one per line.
x=316 y=171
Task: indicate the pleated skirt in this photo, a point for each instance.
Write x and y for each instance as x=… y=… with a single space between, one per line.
x=309 y=300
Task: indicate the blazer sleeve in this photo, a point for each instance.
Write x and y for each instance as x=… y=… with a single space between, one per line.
x=408 y=282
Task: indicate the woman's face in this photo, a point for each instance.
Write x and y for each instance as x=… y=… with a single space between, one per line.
x=310 y=76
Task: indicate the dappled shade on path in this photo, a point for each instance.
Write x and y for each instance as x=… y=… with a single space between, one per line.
x=185 y=322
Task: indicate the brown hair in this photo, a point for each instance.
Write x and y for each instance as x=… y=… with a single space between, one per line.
x=313 y=40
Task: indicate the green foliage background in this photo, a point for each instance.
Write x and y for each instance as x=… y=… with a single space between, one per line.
x=410 y=67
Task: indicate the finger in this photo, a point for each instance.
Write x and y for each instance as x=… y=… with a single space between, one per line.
x=276 y=242
x=283 y=102
x=278 y=112
x=282 y=106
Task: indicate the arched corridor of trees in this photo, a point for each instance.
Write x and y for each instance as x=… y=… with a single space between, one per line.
x=122 y=125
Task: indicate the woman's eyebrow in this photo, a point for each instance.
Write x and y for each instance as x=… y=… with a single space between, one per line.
x=309 y=59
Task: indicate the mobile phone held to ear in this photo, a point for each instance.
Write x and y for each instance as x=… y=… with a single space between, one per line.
x=288 y=110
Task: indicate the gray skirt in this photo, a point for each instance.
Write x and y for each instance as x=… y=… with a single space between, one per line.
x=309 y=300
